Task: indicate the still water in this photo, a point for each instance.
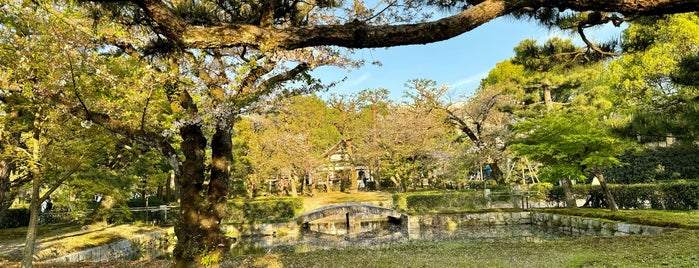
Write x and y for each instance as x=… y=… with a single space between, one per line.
x=333 y=233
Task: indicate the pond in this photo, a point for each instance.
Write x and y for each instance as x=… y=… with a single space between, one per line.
x=334 y=233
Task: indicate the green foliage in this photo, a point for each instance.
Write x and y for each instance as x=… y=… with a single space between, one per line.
x=656 y=164
x=539 y=191
x=241 y=210
x=568 y=144
x=15 y=217
x=655 y=78
x=435 y=201
x=141 y=202
x=681 y=195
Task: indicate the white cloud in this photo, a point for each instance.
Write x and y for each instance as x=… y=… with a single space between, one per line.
x=469 y=83
x=354 y=81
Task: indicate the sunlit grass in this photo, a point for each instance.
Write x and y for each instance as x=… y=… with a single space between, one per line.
x=674 y=249
x=59 y=239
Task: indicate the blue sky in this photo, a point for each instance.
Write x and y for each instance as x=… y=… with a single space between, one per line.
x=460 y=62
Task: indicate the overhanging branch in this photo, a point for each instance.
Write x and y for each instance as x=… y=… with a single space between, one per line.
x=360 y=35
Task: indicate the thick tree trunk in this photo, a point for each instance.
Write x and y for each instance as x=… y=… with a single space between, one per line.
x=568 y=191
x=198 y=231
x=497 y=173
x=608 y=197
x=7 y=196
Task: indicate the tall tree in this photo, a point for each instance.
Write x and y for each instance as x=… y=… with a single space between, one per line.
x=48 y=145
x=570 y=144
x=478 y=120
x=180 y=103
x=271 y=29
x=346 y=106
x=376 y=101
x=415 y=141
x=654 y=79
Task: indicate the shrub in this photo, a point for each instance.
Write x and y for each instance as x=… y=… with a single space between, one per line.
x=679 y=195
x=15 y=217
x=141 y=202
x=656 y=164
x=430 y=201
x=263 y=210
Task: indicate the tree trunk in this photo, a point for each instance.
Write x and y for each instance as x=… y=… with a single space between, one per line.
x=353 y=185
x=198 y=230
x=313 y=183
x=608 y=197
x=547 y=99
x=292 y=184
x=7 y=196
x=35 y=173
x=497 y=173
x=375 y=146
x=30 y=241
x=568 y=191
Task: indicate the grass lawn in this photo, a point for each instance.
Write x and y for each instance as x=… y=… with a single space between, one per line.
x=674 y=249
x=58 y=239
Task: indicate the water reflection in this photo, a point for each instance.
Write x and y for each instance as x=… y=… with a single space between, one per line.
x=334 y=233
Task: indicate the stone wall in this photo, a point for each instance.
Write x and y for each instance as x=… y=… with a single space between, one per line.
x=571 y=224
x=601 y=227
x=147 y=245
x=467 y=219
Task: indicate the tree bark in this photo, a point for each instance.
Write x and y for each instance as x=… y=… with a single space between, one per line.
x=7 y=196
x=30 y=241
x=568 y=191
x=548 y=101
x=357 y=34
x=34 y=204
x=198 y=229
x=497 y=172
x=353 y=168
x=608 y=197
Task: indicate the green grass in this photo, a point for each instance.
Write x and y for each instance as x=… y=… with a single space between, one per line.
x=674 y=249
x=59 y=239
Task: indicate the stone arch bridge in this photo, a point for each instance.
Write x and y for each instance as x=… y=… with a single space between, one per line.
x=348 y=209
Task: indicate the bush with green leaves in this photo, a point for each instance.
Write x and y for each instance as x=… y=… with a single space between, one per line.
x=442 y=200
x=15 y=217
x=141 y=202
x=656 y=164
x=678 y=195
x=243 y=210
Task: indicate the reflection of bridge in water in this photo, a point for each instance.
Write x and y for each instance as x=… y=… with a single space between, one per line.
x=349 y=218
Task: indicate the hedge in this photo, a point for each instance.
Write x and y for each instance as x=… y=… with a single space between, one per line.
x=681 y=195
x=431 y=201
x=656 y=164
x=263 y=210
x=15 y=217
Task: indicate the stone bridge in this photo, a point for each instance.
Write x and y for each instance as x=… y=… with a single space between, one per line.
x=347 y=209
